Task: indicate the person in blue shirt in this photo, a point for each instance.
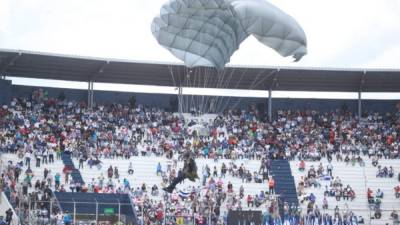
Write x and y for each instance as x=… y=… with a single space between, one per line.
x=67 y=218
x=2 y=222
x=312 y=197
x=159 y=169
x=57 y=179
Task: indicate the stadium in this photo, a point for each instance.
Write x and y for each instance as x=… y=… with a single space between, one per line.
x=91 y=156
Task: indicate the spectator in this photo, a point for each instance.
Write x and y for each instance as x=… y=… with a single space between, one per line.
x=67 y=219
x=325 y=203
x=271 y=185
x=250 y=201
x=130 y=169
x=370 y=196
x=395 y=217
x=9 y=214
x=379 y=193
x=302 y=165
x=329 y=168
x=397 y=191
x=159 y=169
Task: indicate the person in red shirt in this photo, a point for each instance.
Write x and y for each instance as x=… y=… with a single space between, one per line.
x=250 y=201
x=302 y=165
x=397 y=191
x=370 y=195
x=160 y=214
x=271 y=185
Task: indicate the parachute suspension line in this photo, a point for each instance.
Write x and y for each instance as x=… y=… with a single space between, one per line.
x=266 y=77
x=202 y=84
x=181 y=103
x=170 y=68
x=209 y=98
x=192 y=74
x=206 y=71
x=255 y=82
x=187 y=76
x=196 y=84
x=256 y=79
x=220 y=76
x=236 y=86
x=225 y=85
x=202 y=72
x=172 y=74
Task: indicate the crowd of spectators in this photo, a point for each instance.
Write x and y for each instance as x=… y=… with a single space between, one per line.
x=40 y=128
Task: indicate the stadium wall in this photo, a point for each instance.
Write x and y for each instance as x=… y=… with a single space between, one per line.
x=169 y=101
x=5 y=91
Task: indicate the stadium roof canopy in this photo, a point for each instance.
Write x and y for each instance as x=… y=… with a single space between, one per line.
x=74 y=68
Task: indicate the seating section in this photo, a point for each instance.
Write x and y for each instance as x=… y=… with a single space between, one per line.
x=145 y=172
x=55 y=167
x=360 y=179
x=286 y=179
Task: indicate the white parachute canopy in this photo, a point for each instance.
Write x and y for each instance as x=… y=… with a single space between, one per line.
x=208 y=32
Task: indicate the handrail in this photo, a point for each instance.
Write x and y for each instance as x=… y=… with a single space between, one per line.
x=4 y=202
x=365 y=191
x=134 y=210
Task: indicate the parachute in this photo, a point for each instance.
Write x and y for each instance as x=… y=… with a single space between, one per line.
x=208 y=32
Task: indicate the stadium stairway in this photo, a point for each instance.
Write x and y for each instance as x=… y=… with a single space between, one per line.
x=285 y=186
x=75 y=174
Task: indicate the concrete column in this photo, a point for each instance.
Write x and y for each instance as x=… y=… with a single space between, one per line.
x=359 y=106
x=180 y=100
x=89 y=98
x=92 y=95
x=270 y=105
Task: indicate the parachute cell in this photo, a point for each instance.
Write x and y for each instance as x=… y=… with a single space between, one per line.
x=208 y=32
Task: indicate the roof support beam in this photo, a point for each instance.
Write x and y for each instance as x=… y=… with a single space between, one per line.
x=90 y=95
x=99 y=70
x=362 y=81
x=359 y=106
x=180 y=100
x=271 y=86
x=6 y=65
x=270 y=105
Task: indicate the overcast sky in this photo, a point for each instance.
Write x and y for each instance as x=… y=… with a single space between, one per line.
x=340 y=33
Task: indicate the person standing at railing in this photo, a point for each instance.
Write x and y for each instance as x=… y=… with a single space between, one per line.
x=9 y=214
x=67 y=218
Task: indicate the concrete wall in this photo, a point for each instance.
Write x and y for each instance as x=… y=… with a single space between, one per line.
x=5 y=91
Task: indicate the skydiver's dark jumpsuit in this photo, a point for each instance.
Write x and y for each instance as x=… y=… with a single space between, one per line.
x=189 y=171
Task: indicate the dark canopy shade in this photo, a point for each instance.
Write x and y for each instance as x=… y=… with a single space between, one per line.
x=73 y=68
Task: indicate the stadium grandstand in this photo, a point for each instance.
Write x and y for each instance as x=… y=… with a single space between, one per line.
x=100 y=157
